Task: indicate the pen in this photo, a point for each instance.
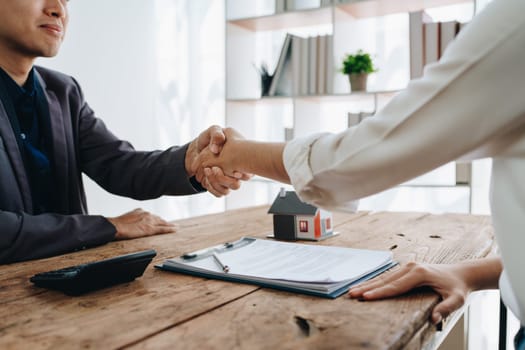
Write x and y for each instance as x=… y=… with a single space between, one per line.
x=224 y=268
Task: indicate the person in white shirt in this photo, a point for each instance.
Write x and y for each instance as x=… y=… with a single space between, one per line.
x=469 y=105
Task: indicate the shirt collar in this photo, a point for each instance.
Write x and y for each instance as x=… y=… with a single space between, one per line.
x=16 y=91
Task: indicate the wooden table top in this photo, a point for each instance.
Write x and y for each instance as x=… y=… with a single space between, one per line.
x=163 y=310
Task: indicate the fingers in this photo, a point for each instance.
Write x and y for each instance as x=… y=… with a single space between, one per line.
x=151 y=224
x=219 y=184
x=217 y=139
x=218 y=176
x=211 y=149
x=400 y=286
x=200 y=162
x=444 y=279
x=216 y=189
x=150 y=229
x=161 y=229
x=242 y=176
x=231 y=133
x=214 y=178
x=213 y=137
x=357 y=291
x=400 y=281
x=140 y=223
x=446 y=307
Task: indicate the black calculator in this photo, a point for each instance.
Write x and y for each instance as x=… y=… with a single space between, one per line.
x=79 y=279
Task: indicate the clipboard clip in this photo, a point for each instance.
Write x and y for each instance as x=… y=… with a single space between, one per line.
x=188 y=256
x=208 y=252
x=221 y=248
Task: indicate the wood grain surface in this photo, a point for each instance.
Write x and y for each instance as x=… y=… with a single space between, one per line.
x=163 y=310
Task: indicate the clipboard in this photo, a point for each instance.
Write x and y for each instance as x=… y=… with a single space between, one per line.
x=241 y=255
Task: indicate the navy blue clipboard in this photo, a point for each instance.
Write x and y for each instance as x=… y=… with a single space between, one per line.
x=269 y=283
x=226 y=277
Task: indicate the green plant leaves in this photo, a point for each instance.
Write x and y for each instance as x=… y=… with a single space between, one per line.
x=358 y=63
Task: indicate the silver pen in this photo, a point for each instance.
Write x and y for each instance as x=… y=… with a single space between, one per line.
x=224 y=268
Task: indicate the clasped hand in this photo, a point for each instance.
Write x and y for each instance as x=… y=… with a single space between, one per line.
x=210 y=158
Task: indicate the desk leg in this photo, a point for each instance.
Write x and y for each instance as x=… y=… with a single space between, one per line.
x=457 y=338
x=502 y=326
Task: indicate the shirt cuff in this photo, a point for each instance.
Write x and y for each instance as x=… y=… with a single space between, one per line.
x=197 y=185
x=186 y=185
x=297 y=162
x=296 y=159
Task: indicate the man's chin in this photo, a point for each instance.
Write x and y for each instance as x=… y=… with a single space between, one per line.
x=50 y=52
x=46 y=52
x=48 y=48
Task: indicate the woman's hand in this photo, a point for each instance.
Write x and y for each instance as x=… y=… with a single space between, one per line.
x=453 y=282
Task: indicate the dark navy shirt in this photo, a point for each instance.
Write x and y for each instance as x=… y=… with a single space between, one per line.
x=29 y=115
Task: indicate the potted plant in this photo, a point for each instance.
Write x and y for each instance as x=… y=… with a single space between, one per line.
x=357 y=67
x=266 y=78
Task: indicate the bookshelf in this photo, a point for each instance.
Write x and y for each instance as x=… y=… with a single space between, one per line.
x=255 y=32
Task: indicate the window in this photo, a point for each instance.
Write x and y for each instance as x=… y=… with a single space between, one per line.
x=303 y=226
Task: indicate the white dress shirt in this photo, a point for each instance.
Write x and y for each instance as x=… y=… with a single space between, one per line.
x=469 y=105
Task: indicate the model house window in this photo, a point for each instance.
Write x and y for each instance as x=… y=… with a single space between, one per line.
x=303 y=226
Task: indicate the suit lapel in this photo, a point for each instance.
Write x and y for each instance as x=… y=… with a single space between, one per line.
x=12 y=148
x=58 y=144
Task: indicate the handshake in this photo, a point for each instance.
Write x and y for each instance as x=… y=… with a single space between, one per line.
x=209 y=159
x=221 y=158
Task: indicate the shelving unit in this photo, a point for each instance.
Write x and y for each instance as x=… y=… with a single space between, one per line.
x=255 y=34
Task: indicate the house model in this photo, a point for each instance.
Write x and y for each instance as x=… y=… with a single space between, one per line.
x=294 y=219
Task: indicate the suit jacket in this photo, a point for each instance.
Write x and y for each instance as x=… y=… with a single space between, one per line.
x=81 y=143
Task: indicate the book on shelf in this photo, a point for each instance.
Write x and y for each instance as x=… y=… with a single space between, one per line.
x=288 y=134
x=296 y=64
x=312 y=65
x=282 y=77
x=280 y=6
x=356 y=118
x=428 y=40
x=321 y=65
x=325 y=271
x=448 y=31
x=305 y=67
x=432 y=44
x=329 y=74
x=295 y=5
x=416 y=34
x=303 y=70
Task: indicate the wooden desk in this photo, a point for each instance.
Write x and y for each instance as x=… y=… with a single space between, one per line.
x=163 y=310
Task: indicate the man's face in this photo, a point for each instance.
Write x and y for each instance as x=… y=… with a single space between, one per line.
x=32 y=28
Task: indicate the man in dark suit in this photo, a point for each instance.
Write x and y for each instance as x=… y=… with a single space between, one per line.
x=49 y=136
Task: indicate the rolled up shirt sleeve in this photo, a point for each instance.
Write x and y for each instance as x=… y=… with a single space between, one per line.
x=296 y=158
x=450 y=113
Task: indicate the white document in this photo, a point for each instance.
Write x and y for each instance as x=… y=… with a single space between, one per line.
x=302 y=262
x=305 y=268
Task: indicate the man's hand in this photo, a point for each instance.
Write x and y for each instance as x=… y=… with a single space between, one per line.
x=139 y=223
x=211 y=141
x=227 y=162
x=212 y=138
x=240 y=158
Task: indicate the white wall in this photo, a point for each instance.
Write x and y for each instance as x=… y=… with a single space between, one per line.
x=153 y=70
